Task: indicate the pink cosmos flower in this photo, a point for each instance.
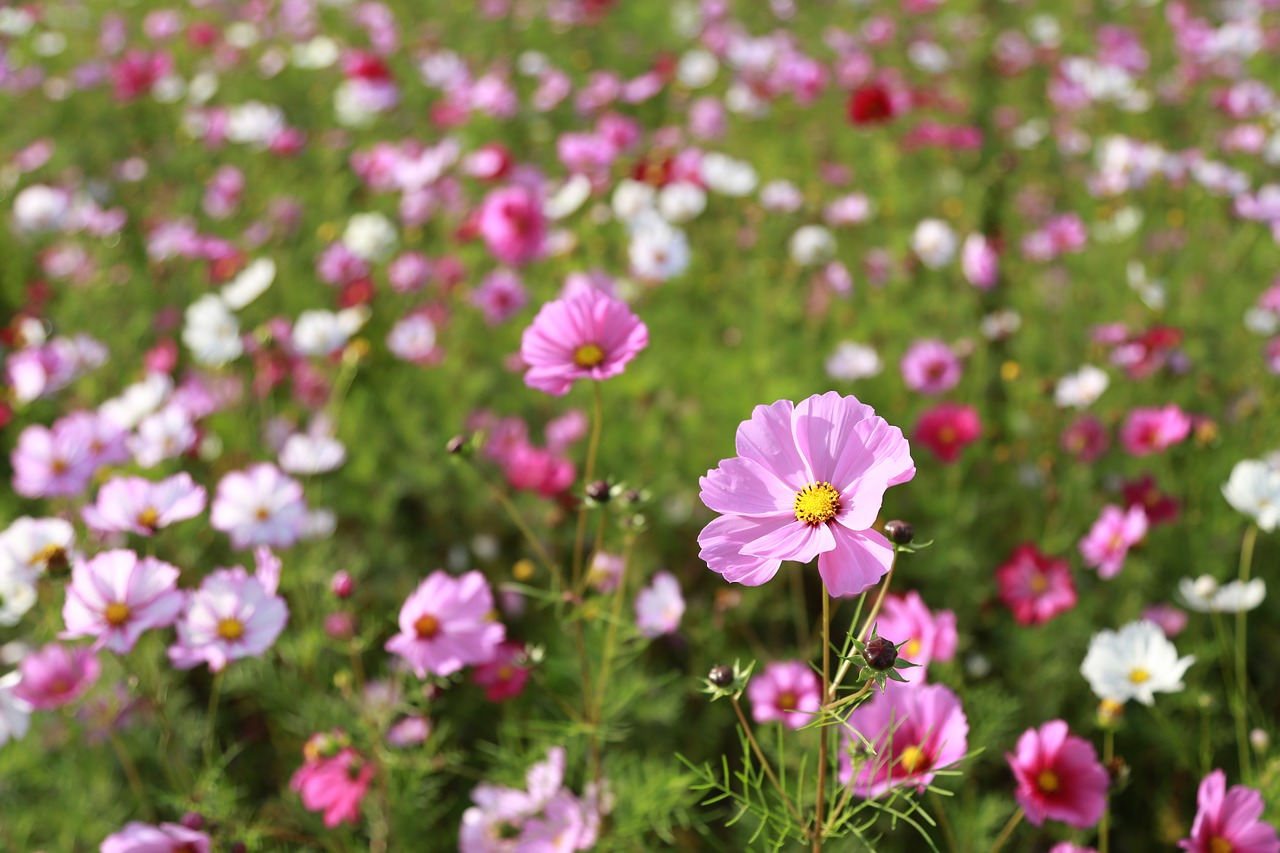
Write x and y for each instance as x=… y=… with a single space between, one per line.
x=503 y=677
x=56 y=675
x=259 y=506
x=1068 y=847
x=50 y=463
x=1085 y=438
x=511 y=222
x=1059 y=777
x=1171 y=620
x=538 y=469
x=1035 y=586
x=115 y=597
x=1147 y=431
x=787 y=691
x=588 y=336
x=137 y=505
x=500 y=296
x=930 y=367
x=445 y=624
x=232 y=615
x=1111 y=537
x=928 y=636
x=659 y=606
x=1229 y=821
x=808 y=482
x=914 y=732
x=166 y=838
x=980 y=262
x=948 y=428
x=334 y=784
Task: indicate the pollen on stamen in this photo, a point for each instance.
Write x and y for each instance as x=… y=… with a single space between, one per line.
x=817 y=503
x=588 y=355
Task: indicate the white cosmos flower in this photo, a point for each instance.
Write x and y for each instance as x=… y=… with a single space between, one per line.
x=852 y=361
x=565 y=201
x=812 y=244
x=1254 y=489
x=15 y=713
x=17 y=596
x=254 y=122
x=138 y=400
x=631 y=199
x=934 y=243
x=1205 y=595
x=1135 y=662
x=312 y=452
x=681 y=201
x=697 y=68
x=1081 y=389
x=40 y=208
x=658 y=250
x=727 y=176
x=370 y=236
x=29 y=546
x=212 y=332
x=324 y=332
x=251 y=283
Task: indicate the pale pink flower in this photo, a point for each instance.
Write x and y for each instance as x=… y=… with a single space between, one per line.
x=588 y=336
x=808 y=482
x=116 y=596
x=56 y=675
x=137 y=505
x=787 y=691
x=659 y=606
x=259 y=506
x=930 y=367
x=1112 y=535
x=166 y=838
x=1059 y=777
x=446 y=624
x=232 y=615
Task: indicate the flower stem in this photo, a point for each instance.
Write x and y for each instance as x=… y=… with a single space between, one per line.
x=212 y=730
x=1008 y=830
x=831 y=689
x=615 y=617
x=130 y=770
x=1104 y=825
x=764 y=762
x=593 y=448
x=1242 y=670
x=823 y=734
x=947 y=834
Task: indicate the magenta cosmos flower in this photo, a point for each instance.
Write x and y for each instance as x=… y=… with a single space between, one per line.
x=1147 y=431
x=1059 y=777
x=56 y=675
x=1035 y=586
x=807 y=482
x=446 y=624
x=914 y=732
x=166 y=838
x=116 y=596
x=1229 y=821
x=511 y=222
x=259 y=506
x=930 y=367
x=232 y=615
x=137 y=505
x=333 y=780
x=787 y=691
x=587 y=336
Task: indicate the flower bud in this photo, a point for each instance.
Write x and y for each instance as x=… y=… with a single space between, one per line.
x=458 y=445
x=341 y=584
x=721 y=676
x=880 y=653
x=1260 y=740
x=598 y=491
x=900 y=532
x=193 y=820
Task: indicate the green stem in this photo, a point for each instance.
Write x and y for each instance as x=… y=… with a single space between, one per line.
x=866 y=626
x=1242 y=669
x=823 y=735
x=1104 y=825
x=593 y=448
x=1008 y=830
x=130 y=771
x=764 y=762
x=212 y=731
x=947 y=834
x=615 y=617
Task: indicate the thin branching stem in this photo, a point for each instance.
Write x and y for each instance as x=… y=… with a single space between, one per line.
x=1240 y=705
x=1008 y=830
x=764 y=762
x=823 y=735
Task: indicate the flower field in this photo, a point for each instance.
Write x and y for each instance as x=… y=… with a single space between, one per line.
x=553 y=425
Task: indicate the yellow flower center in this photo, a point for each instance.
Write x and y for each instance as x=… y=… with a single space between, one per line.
x=947 y=435
x=1220 y=845
x=787 y=700
x=117 y=614
x=506 y=672
x=913 y=649
x=149 y=518
x=1039 y=583
x=230 y=629
x=1138 y=675
x=1048 y=781
x=262 y=514
x=913 y=759
x=426 y=627
x=817 y=503
x=51 y=556
x=588 y=355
